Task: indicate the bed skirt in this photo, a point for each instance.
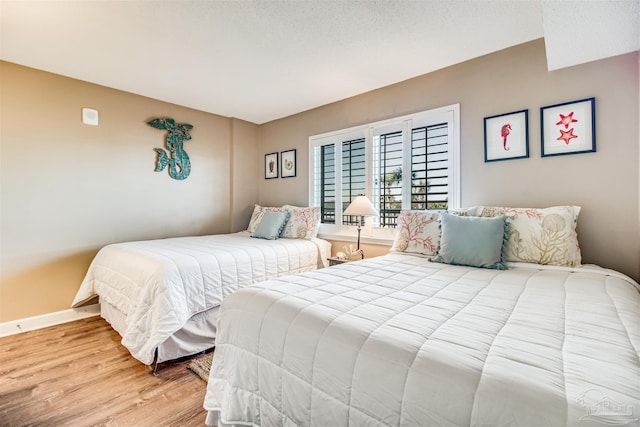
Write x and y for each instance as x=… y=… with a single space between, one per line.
x=196 y=336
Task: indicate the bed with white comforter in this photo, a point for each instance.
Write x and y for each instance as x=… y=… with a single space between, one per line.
x=150 y=290
x=401 y=341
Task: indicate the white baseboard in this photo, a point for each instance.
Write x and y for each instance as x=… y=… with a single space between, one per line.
x=50 y=319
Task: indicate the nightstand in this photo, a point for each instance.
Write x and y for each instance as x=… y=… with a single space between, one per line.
x=336 y=261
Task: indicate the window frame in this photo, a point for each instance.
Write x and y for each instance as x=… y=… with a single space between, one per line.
x=370 y=234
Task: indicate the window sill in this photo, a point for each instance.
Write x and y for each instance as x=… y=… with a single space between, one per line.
x=354 y=238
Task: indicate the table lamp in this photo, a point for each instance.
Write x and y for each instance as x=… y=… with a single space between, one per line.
x=360 y=206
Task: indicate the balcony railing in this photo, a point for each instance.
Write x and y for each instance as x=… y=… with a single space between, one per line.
x=388 y=217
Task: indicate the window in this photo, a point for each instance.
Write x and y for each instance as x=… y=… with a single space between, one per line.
x=372 y=160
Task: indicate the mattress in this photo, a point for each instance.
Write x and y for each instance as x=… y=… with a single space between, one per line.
x=399 y=340
x=158 y=285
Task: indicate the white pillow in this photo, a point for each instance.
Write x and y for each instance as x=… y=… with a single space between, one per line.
x=303 y=222
x=540 y=236
x=418 y=232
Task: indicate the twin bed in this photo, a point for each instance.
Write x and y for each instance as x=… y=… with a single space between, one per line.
x=162 y=296
x=403 y=340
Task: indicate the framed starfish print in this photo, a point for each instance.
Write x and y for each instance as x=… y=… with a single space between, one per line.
x=568 y=128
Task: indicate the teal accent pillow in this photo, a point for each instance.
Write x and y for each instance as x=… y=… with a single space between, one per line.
x=472 y=241
x=271 y=225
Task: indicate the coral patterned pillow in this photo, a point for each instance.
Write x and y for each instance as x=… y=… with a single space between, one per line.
x=256 y=216
x=541 y=236
x=303 y=222
x=418 y=232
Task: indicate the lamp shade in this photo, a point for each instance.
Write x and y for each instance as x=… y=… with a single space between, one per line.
x=361 y=206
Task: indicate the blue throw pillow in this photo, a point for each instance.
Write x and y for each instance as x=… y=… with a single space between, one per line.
x=271 y=225
x=472 y=241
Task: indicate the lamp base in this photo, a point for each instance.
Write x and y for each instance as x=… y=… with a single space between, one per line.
x=358 y=250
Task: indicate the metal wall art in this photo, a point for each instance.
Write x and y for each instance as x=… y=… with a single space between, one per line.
x=177 y=159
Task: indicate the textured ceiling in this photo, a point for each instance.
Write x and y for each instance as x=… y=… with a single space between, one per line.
x=263 y=60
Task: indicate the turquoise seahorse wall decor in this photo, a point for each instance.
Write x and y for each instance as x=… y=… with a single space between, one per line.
x=177 y=159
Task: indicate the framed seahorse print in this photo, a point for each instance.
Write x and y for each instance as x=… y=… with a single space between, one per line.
x=506 y=136
x=568 y=128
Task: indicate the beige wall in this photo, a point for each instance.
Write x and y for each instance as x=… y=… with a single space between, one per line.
x=245 y=172
x=67 y=188
x=605 y=183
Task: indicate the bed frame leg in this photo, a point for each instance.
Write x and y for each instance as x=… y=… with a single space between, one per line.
x=155 y=363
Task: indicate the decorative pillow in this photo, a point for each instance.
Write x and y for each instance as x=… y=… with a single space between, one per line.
x=472 y=241
x=271 y=225
x=541 y=236
x=303 y=222
x=418 y=232
x=256 y=216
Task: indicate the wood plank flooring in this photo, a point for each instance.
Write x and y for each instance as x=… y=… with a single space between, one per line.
x=78 y=374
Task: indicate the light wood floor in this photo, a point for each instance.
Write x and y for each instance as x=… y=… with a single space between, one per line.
x=78 y=374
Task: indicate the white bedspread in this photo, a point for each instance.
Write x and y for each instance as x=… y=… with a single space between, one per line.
x=400 y=341
x=160 y=284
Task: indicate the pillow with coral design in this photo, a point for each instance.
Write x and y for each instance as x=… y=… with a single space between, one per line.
x=303 y=222
x=418 y=232
x=540 y=236
x=258 y=213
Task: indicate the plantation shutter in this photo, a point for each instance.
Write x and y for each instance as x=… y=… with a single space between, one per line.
x=353 y=175
x=389 y=177
x=429 y=167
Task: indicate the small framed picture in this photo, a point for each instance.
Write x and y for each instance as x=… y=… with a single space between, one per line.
x=506 y=136
x=288 y=163
x=568 y=128
x=271 y=165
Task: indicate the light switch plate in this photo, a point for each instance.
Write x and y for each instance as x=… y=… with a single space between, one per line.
x=90 y=117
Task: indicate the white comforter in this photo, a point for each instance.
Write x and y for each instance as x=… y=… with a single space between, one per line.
x=160 y=284
x=401 y=341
